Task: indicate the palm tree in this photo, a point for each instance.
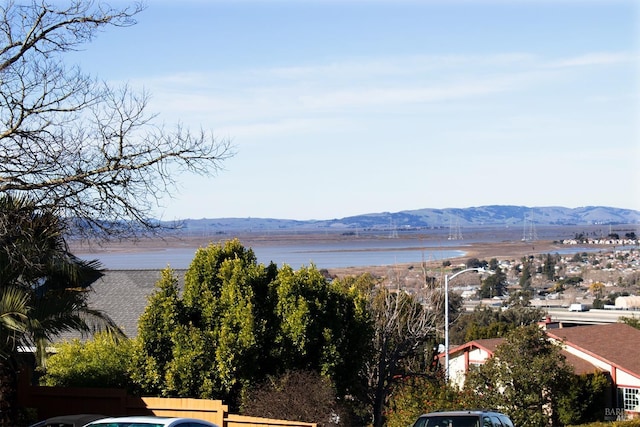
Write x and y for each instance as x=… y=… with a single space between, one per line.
x=13 y=317
x=43 y=287
x=35 y=261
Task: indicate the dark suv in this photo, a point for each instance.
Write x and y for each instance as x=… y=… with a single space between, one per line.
x=463 y=419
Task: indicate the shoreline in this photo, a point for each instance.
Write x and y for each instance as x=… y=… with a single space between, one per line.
x=483 y=243
x=480 y=250
x=483 y=250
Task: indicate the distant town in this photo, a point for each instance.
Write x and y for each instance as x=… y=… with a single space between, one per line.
x=600 y=274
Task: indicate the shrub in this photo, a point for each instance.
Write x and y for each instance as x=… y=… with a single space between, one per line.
x=99 y=362
x=296 y=395
x=414 y=396
x=627 y=423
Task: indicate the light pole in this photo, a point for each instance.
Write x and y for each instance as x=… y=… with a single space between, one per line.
x=446 y=314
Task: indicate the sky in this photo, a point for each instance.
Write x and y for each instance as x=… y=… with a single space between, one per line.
x=341 y=108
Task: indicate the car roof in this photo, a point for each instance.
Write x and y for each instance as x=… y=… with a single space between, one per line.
x=75 y=420
x=150 y=419
x=469 y=412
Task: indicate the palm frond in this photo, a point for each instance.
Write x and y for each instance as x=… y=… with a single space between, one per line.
x=14 y=310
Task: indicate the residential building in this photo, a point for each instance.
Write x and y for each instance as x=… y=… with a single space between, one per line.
x=613 y=349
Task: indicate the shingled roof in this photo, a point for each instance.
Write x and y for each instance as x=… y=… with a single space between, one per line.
x=617 y=343
x=580 y=366
x=123 y=295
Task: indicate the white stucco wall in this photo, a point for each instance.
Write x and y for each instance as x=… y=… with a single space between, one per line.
x=457 y=365
x=626 y=380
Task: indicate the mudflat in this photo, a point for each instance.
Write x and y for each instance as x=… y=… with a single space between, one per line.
x=483 y=244
x=480 y=250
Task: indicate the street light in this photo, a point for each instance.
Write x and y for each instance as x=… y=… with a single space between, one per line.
x=446 y=314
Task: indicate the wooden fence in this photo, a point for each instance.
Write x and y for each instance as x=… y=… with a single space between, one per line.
x=54 y=401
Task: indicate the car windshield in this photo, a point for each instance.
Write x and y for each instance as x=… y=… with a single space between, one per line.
x=126 y=424
x=447 y=421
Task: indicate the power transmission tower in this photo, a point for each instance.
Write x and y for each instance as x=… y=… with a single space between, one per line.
x=454 y=230
x=529 y=233
x=393 y=231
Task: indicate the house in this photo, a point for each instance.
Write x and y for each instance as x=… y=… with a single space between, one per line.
x=613 y=349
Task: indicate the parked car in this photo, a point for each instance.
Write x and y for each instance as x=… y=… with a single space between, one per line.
x=76 y=420
x=463 y=419
x=150 y=421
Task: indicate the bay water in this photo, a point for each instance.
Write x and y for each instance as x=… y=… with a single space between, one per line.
x=323 y=254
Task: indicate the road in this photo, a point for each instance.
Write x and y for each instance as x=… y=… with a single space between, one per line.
x=563 y=315
x=591 y=317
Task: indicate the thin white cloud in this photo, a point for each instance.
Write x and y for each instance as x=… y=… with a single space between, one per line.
x=394 y=66
x=595 y=59
x=274 y=99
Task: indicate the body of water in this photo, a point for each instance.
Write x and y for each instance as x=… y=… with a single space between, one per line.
x=334 y=251
x=335 y=254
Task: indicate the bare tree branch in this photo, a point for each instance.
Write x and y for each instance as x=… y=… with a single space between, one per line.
x=403 y=325
x=75 y=144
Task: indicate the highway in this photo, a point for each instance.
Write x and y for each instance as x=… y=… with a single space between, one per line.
x=591 y=317
x=563 y=315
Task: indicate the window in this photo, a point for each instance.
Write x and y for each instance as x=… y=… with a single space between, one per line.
x=629 y=399
x=420 y=422
x=475 y=366
x=505 y=420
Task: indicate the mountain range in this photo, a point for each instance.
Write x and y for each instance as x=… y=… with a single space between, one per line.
x=495 y=215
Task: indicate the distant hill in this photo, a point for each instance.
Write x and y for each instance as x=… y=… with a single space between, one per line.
x=429 y=218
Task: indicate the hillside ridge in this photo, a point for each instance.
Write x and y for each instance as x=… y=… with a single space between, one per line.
x=492 y=215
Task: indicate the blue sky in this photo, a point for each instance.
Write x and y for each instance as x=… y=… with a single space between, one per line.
x=339 y=108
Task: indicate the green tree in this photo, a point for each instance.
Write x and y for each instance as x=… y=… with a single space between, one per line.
x=99 y=362
x=322 y=323
x=156 y=328
x=585 y=400
x=525 y=277
x=43 y=286
x=486 y=322
x=210 y=342
x=495 y=329
x=467 y=326
x=549 y=265
x=631 y=321
x=416 y=395
x=14 y=308
x=476 y=263
x=239 y=322
x=493 y=285
x=522 y=315
x=569 y=281
x=525 y=378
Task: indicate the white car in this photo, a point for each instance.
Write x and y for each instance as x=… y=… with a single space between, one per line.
x=149 y=421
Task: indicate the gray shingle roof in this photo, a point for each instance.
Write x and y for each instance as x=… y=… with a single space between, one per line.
x=123 y=295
